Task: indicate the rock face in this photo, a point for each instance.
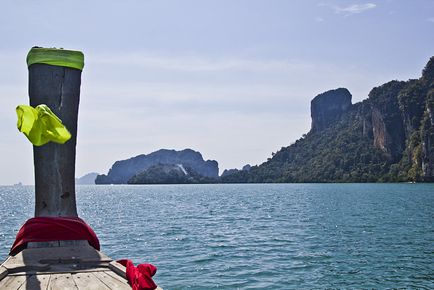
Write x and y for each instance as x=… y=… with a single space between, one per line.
x=417 y=103
x=235 y=175
x=387 y=137
x=169 y=174
x=246 y=167
x=228 y=172
x=122 y=171
x=328 y=107
x=386 y=120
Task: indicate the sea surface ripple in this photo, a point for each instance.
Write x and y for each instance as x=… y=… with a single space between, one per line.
x=258 y=236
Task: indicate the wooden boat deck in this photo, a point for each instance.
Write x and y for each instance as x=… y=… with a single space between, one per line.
x=63 y=267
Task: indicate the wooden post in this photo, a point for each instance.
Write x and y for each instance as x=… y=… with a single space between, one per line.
x=59 y=88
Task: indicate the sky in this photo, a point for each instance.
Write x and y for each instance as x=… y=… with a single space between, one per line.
x=232 y=79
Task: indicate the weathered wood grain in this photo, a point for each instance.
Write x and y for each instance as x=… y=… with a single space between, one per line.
x=116 y=276
x=62 y=281
x=118 y=269
x=88 y=281
x=74 y=267
x=36 y=282
x=59 y=88
x=3 y=272
x=57 y=259
x=12 y=283
x=114 y=283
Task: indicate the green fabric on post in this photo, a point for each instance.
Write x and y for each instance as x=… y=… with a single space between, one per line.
x=54 y=56
x=41 y=125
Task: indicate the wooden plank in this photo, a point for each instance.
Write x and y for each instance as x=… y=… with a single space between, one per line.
x=118 y=269
x=12 y=283
x=113 y=283
x=51 y=244
x=60 y=271
x=3 y=272
x=116 y=276
x=88 y=281
x=5 y=281
x=36 y=282
x=65 y=243
x=38 y=259
x=62 y=281
x=74 y=243
x=7 y=260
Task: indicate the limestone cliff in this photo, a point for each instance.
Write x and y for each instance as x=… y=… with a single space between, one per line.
x=328 y=107
x=416 y=104
x=386 y=119
x=387 y=137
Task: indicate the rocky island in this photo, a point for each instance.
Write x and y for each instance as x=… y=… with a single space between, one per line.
x=388 y=137
x=162 y=166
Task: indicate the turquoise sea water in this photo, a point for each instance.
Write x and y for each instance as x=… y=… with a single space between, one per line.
x=282 y=236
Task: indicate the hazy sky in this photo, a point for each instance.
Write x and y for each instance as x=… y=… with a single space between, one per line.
x=229 y=78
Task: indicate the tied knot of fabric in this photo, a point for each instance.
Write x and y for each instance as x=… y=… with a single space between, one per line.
x=140 y=277
x=40 y=125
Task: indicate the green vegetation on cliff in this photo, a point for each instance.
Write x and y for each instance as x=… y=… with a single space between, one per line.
x=122 y=171
x=388 y=137
x=169 y=174
x=324 y=157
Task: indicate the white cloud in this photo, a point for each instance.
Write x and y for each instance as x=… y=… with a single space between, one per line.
x=354 y=8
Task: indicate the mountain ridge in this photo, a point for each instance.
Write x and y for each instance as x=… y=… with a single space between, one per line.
x=388 y=137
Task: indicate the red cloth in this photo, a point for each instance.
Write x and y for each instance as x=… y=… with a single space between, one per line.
x=45 y=229
x=140 y=277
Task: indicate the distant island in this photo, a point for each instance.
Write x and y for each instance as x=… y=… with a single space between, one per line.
x=388 y=137
x=162 y=166
x=87 y=179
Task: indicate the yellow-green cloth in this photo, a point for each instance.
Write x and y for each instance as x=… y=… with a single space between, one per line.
x=41 y=125
x=54 y=56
